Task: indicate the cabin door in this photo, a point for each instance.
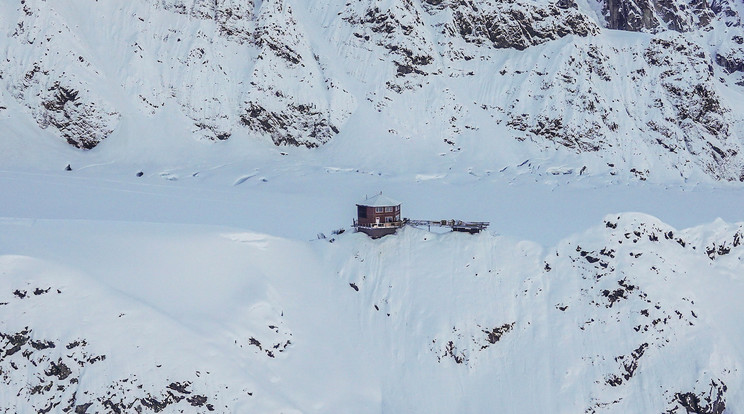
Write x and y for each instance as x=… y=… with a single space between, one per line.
x=377 y=221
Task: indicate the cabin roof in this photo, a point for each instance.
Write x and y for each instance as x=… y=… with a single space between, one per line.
x=379 y=200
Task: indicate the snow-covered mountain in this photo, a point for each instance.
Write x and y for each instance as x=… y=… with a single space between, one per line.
x=639 y=89
x=163 y=164
x=629 y=316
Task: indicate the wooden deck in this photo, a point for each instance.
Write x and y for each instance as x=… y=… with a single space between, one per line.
x=376 y=230
x=471 y=227
x=392 y=224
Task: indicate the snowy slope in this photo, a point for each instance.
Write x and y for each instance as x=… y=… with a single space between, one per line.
x=630 y=316
x=168 y=268
x=641 y=90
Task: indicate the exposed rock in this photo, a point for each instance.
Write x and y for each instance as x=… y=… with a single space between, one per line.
x=730 y=55
x=566 y=103
x=277 y=30
x=727 y=11
x=398 y=28
x=298 y=125
x=296 y=111
x=495 y=334
x=233 y=17
x=698 y=109
x=83 y=120
x=82 y=408
x=463 y=348
x=58 y=369
x=83 y=124
x=573 y=114
x=53 y=386
x=629 y=365
x=197 y=400
x=506 y=24
x=657 y=15
x=233 y=67
x=711 y=402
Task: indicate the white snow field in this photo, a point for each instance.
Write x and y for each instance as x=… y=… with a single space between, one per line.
x=192 y=258
x=630 y=316
x=204 y=287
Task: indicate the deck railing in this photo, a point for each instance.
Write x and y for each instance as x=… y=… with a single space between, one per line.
x=379 y=225
x=456 y=225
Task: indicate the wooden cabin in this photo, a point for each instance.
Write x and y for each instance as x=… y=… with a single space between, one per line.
x=378 y=216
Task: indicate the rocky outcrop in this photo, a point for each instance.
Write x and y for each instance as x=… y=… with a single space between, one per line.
x=396 y=27
x=434 y=70
x=511 y=25
x=711 y=401
x=727 y=11
x=48 y=377
x=674 y=109
x=703 y=129
x=577 y=117
x=677 y=15
x=277 y=103
x=652 y=324
x=59 y=102
x=82 y=123
x=233 y=17
x=57 y=88
x=297 y=125
x=289 y=96
x=730 y=56
x=461 y=348
x=657 y=15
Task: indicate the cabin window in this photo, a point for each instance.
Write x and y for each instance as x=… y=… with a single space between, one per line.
x=361 y=211
x=388 y=209
x=378 y=209
x=388 y=219
x=397 y=217
x=397 y=208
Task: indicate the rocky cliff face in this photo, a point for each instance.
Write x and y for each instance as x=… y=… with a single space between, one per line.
x=296 y=111
x=56 y=98
x=510 y=25
x=567 y=74
x=657 y=15
x=179 y=50
x=684 y=116
x=398 y=29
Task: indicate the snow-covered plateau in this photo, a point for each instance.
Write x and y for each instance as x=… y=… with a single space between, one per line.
x=178 y=179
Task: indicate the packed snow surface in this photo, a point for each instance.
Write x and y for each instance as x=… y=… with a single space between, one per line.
x=167 y=292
